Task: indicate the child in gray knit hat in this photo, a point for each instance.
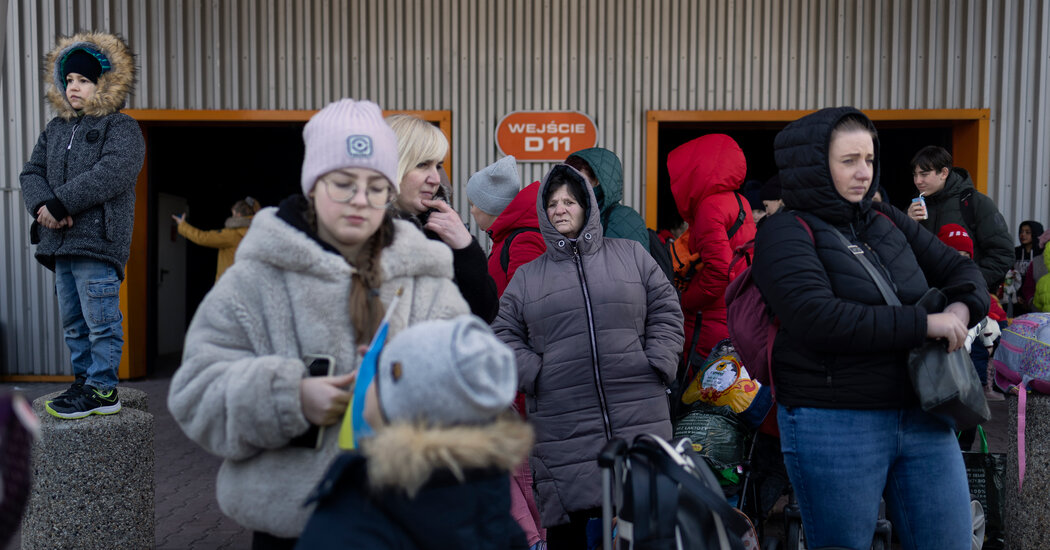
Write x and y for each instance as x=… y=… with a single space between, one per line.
x=436 y=472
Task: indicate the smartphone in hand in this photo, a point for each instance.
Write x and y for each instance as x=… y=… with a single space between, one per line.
x=316 y=365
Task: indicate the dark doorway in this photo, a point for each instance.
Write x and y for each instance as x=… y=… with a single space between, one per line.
x=211 y=166
x=898 y=140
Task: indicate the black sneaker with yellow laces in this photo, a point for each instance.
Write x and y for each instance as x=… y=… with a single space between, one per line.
x=82 y=402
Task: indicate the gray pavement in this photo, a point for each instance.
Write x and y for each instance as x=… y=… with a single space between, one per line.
x=187 y=514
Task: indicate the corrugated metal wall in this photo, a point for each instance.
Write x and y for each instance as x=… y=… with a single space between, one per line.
x=613 y=60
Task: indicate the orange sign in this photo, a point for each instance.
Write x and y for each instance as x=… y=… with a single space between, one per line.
x=545 y=136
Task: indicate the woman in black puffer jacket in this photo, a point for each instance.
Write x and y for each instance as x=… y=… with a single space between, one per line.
x=851 y=427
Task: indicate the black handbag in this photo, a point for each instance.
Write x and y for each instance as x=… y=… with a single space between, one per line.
x=946 y=383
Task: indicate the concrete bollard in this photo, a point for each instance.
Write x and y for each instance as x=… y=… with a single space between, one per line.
x=92 y=479
x=1028 y=511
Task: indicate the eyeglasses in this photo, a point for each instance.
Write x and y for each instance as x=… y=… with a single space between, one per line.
x=377 y=194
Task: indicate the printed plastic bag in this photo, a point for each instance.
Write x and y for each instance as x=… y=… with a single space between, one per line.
x=716 y=433
x=723 y=381
x=986 y=473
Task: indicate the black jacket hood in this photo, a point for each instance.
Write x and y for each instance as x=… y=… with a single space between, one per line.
x=801 y=152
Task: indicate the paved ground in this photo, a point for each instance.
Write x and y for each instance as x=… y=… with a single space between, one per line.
x=187 y=514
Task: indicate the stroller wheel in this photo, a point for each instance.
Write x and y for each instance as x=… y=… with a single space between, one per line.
x=796 y=539
x=977 y=513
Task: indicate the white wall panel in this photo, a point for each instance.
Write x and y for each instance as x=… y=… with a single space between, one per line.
x=610 y=59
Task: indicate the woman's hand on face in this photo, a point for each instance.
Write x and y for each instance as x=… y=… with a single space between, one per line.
x=447 y=224
x=947 y=326
x=916 y=211
x=324 y=399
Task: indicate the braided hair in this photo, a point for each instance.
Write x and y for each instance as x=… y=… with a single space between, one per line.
x=366 y=309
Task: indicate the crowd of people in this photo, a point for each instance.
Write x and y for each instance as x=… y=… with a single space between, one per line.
x=494 y=378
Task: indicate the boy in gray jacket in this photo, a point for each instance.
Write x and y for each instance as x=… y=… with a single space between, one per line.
x=79 y=187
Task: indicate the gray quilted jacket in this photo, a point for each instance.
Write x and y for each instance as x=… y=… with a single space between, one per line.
x=596 y=329
x=85 y=163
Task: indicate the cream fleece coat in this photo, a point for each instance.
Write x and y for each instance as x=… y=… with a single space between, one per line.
x=237 y=391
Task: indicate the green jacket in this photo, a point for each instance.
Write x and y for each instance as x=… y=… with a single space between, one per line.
x=618 y=220
x=1042 y=288
x=992 y=242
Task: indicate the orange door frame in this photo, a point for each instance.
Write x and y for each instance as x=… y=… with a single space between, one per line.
x=133 y=360
x=969 y=137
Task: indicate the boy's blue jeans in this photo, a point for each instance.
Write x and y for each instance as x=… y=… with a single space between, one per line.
x=89 y=304
x=842 y=461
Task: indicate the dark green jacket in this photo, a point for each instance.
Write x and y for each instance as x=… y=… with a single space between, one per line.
x=618 y=220
x=992 y=243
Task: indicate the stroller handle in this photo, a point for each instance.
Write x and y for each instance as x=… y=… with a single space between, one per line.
x=614 y=448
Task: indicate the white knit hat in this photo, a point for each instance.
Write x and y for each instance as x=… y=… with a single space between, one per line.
x=348 y=134
x=445 y=373
x=493 y=187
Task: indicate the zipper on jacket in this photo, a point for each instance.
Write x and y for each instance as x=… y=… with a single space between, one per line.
x=604 y=405
x=73 y=135
x=65 y=164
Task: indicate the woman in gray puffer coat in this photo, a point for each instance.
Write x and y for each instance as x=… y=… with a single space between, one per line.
x=596 y=328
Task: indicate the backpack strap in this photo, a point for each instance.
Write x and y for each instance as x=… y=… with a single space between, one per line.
x=968 y=210
x=740 y=218
x=504 y=253
x=809 y=230
x=704 y=494
x=878 y=278
x=876 y=210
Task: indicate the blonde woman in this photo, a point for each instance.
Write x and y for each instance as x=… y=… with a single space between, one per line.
x=423 y=200
x=313 y=277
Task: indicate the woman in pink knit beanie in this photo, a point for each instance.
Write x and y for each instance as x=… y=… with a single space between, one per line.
x=310 y=286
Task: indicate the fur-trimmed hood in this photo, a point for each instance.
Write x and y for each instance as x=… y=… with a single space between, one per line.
x=113 y=86
x=235 y=222
x=404 y=456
